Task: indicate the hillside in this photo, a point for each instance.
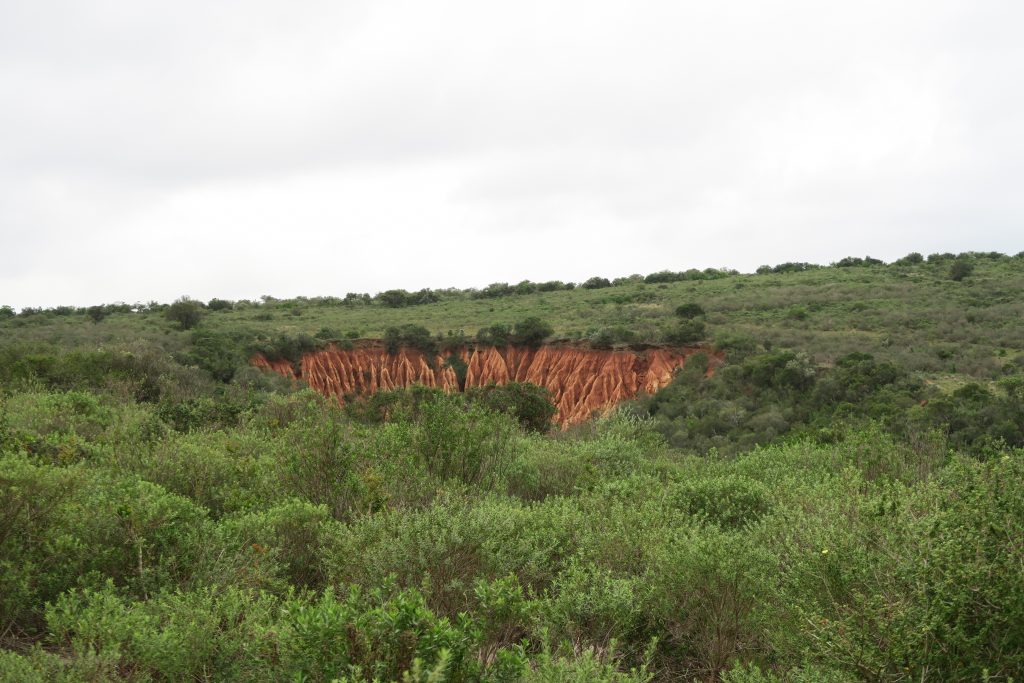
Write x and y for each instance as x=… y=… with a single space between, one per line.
x=914 y=314
x=804 y=474
x=582 y=382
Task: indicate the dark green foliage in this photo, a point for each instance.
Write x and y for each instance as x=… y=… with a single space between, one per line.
x=469 y=443
x=300 y=545
x=144 y=373
x=395 y=298
x=222 y=354
x=414 y=336
x=219 y=305
x=685 y=332
x=495 y=290
x=553 y=286
x=689 y=310
x=530 y=404
x=185 y=312
x=666 y=276
x=596 y=283
x=978 y=419
x=385 y=406
x=460 y=367
x=285 y=346
x=912 y=259
x=201 y=413
x=641 y=296
x=495 y=335
x=96 y=313
x=960 y=269
x=788 y=267
x=855 y=511
x=855 y=262
x=525 y=287
x=328 y=334
x=531 y=332
x=454 y=341
x=607 y=337
x=356 y=299
x=763 y=396
x=731 y=502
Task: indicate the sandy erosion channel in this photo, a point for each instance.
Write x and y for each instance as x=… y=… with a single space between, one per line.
x=583 y=382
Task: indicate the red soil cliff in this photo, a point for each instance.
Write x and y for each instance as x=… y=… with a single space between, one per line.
x=582 y=381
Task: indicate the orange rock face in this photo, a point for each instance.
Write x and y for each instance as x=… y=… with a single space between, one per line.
x=583 y=382
x=280 y=366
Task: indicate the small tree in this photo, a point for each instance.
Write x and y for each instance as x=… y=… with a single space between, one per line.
x=394 y=298
x=96 y=313
x=415 y=336
x=220 y=305
x=960 y=269
x=528 y=403
x=913 y=258
x=495 y=335
x=186 y=312
x=596 y=283
x=531 y=331
x=686 y=332
x=690 y=310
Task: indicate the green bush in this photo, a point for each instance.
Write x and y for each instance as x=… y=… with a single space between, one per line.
x=596 y=283
x=960 y=269
x=469 y=443
x=704 y=592
x=686 y=332
x=220 y=305
x=689 y=310
x=414 y=336
x=185 y=312
x=531 y=332
x=729 y=501
x=528 y=403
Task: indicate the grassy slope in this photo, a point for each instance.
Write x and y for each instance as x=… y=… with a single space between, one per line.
x=223 y=546
x=914 y=316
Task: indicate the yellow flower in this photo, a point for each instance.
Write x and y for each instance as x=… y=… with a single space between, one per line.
x=824 y=551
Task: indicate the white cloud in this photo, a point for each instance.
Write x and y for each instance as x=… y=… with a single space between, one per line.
x=230 y=149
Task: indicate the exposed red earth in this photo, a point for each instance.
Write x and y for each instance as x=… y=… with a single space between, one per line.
x=582 y=381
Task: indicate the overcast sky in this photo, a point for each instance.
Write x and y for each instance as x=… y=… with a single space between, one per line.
x=234 y=149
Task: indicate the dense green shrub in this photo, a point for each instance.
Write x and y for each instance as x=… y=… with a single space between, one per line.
x=528 y=403
x=729 y=501
x=833 y=502
x=185 y=312
x=285 y=346
x=495 y=335
x=554 y=286
x=414 y=336
x=911 y=259
x=530 y=331
x=689 y=310
x=219 y=305
x=222 y=354
x=469 y=443
x=596 y=283
x=685 y=332
x=607 y=337
x=960 y=269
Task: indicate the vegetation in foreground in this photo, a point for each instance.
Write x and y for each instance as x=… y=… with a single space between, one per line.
x=167 y=513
